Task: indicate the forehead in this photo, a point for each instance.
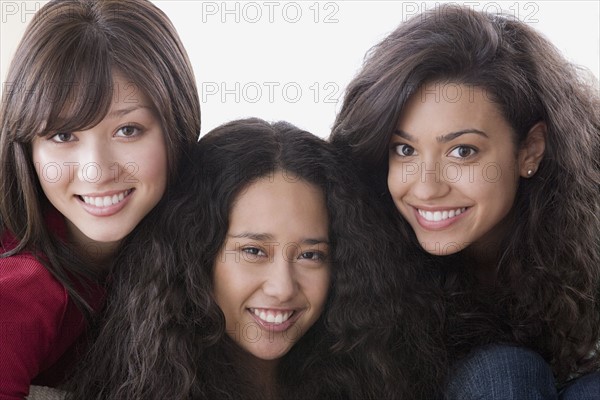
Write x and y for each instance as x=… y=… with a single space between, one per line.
x=127 y=91
x=441 y=107
x=87 y=103
x=280 y=205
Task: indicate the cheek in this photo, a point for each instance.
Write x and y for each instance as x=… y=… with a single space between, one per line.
x=494 y=185
x=399 y=185
x=232 y=286
x=319 y=289
x=40 y=159
x=224 y=285
x=396 y=179
x=150 y=162
x=50 y=170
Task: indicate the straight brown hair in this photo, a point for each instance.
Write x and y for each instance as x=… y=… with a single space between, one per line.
x=61 y=79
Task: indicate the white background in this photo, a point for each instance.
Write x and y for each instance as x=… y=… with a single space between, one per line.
x=285 y=60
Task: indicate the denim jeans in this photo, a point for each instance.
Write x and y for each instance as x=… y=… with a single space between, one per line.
x=586 y=387
x=503 y=372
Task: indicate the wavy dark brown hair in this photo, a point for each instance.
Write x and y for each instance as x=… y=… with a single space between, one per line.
x=163 y=336
x=61 y=79
x=546 y=293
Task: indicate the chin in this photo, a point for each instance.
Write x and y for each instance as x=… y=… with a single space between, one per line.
x=106 y=237
x=441 y=248
x=270 y=355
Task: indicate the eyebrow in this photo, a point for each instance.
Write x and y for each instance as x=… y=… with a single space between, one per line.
x=124 y=111
x=262 y=237
x=443 y=138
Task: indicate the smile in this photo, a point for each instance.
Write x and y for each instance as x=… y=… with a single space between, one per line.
x=105 y=201
x=272 y=316
x=437 y=216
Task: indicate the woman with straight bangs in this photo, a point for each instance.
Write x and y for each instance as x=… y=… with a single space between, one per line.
x=98 y=115
x=209 y=306
x=483 y=139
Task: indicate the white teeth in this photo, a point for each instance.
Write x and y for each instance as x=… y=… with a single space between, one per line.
x=105 y=201
x=272 y=317
x=437 y=216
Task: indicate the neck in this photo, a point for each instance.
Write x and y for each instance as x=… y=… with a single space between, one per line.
x=263 y=373
x=483 y=266
x=97 y=254
x=484 y=255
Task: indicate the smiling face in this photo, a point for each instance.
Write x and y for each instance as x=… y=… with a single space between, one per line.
x=104 y=180
x=271 y=277
x=453 y=168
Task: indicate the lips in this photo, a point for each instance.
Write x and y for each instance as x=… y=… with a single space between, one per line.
x=275 y=320
x=105 y=201
x=437 y=216
x=106 y=204
x=437 y=219
x=272 y=316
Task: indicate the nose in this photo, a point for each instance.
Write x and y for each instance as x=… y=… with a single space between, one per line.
x=280 y=282
x=430 y=183
x=96 y=161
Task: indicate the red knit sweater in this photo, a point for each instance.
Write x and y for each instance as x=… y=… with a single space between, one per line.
x=39 y=324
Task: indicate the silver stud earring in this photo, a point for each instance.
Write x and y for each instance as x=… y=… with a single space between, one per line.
x=530 y=172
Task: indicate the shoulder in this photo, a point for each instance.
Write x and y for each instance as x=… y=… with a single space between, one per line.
x=22 y=275
x=33 y=305
x=32 y=301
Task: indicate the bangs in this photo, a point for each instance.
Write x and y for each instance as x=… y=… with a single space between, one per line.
x=81 y=92
x=63 y=82
x=82 y=104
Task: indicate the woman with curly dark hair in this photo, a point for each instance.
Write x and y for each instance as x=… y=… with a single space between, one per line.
x=270 y=277
x=483 y=139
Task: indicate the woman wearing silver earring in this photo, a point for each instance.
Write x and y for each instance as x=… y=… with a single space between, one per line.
x=518 y=258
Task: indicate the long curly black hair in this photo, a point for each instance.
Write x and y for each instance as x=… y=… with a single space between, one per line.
x=547 y=289
x=163 y=335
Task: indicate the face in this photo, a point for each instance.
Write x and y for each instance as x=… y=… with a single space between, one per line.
x=453 y=168
x=272 y=276
x=104 y=180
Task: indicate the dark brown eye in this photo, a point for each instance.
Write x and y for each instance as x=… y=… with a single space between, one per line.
x=128 y=131
x=405 y=150
x=463 y=152
x=311 y=255
x=62 y=137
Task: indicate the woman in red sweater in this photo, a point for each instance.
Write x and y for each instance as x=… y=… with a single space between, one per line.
x=97 y=116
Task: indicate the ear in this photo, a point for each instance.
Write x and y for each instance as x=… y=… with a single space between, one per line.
x=532 y=150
